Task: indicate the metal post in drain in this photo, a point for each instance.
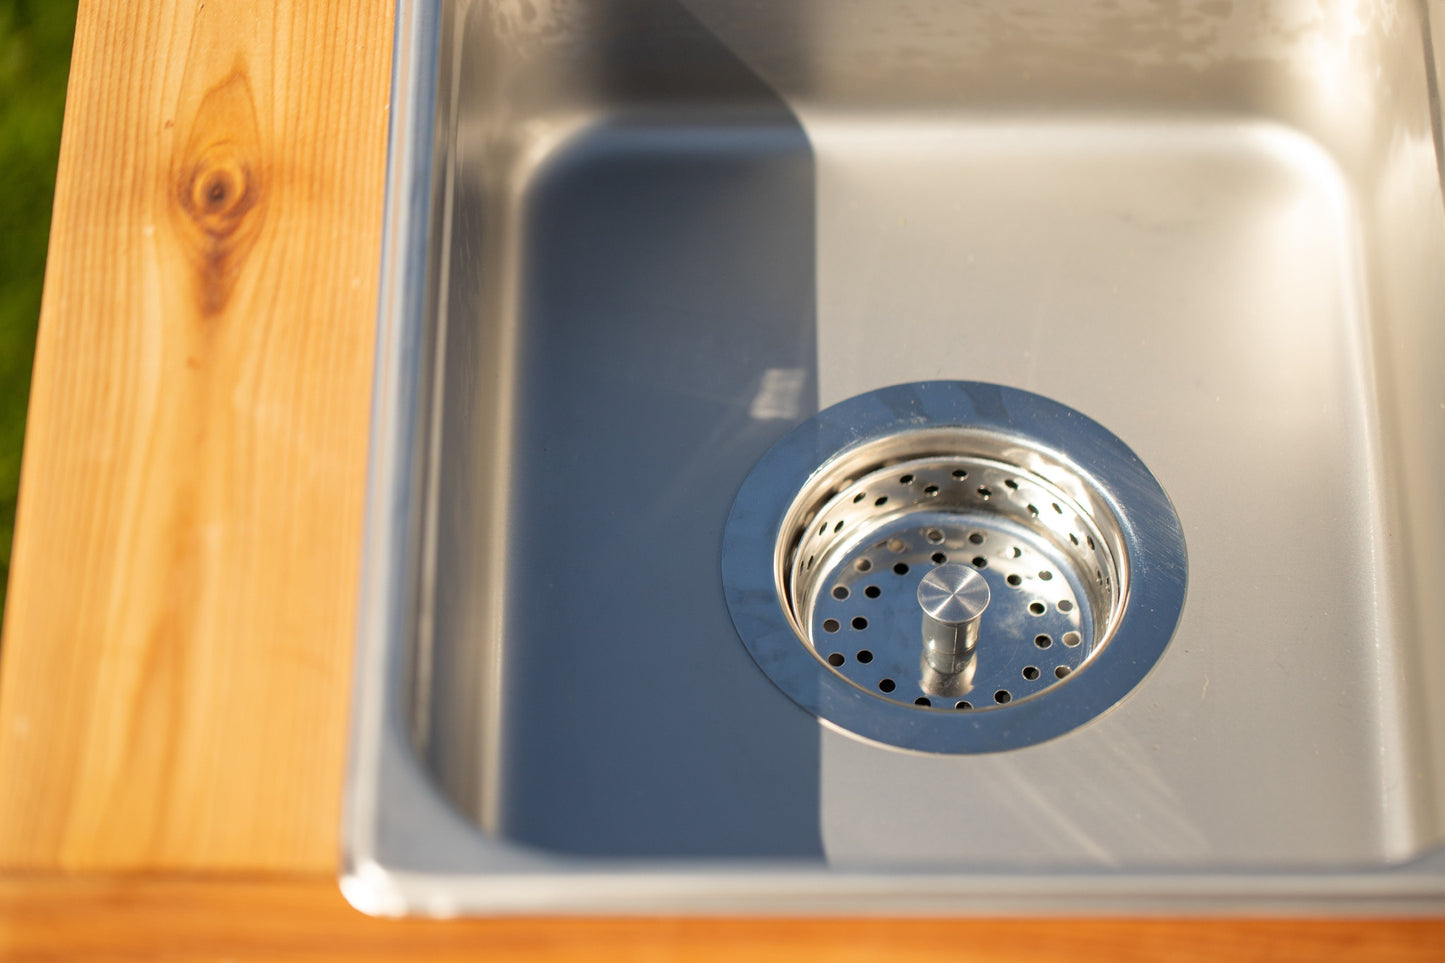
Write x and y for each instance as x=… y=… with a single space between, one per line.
x=953 y=598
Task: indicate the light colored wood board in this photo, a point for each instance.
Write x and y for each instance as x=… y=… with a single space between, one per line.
x=148 y=918
x=176 y=656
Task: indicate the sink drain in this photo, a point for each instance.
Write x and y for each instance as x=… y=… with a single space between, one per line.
x=1043 y=564
x=953 y=567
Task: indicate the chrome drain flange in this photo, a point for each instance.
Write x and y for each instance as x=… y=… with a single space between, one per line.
x=953 y=567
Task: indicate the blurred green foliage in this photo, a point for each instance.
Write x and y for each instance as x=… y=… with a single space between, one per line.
x=35 y=40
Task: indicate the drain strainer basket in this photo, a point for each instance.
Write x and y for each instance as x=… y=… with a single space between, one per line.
x=953 y=567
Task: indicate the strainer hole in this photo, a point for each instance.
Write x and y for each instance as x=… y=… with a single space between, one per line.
x=859 y=623
x=1002 y=697
x=881 y=500
x=897 y=545
x=934 y=535
x=840 y=592
x=1014 y=580
x=836 y=659
x=1072 y=639
x=1018 y=552
x=887 y=685
x=931 y=490
x=810 y=563
x=859 y=497
x=964 y=704
x=1031 y=672
x=1057 y=508
x=959 y=473
x=1065 y=605
x=823 y=529
x=1034 y=510
x=838 y=527
x=1090 y=540
x=1073 y=538
x=976 y=538
x=1046 y=575
x=1037 y=608
x=984 y=493
x=864 y=656
x=1061 y=671
x=939 y=558
x=906 y=480
x=923 y=701
x=1011 y=485
x=830 y=625
x=901 y=568
x=872 y=591
x=1043 y=641
x=863 y=565
x=980 y=562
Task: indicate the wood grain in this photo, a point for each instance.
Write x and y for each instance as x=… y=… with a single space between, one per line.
x=306 y=920
x=176 y=656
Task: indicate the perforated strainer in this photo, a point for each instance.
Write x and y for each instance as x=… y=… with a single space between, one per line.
x=856 y=535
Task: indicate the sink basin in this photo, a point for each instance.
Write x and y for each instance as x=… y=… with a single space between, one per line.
x=632 y=244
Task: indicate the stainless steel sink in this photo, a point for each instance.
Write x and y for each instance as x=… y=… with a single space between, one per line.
x=631 y=244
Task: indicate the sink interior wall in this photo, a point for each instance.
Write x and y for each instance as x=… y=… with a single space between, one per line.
x=672 y=230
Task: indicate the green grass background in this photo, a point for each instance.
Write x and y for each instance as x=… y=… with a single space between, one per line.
x=35 y=40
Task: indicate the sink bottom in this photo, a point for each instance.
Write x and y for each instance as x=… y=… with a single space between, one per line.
x=1194 y=287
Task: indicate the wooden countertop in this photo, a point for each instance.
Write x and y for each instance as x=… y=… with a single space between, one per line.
x=176 y=657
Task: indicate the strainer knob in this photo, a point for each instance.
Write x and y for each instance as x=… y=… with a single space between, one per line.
x=953 y=598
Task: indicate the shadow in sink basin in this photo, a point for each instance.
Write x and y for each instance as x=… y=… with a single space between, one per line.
x=659 y=337
x=669 y=340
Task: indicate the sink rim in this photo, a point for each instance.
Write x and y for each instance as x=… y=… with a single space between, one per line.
x=395 y=820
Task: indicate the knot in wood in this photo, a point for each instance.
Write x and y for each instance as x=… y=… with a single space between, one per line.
x=219 y=190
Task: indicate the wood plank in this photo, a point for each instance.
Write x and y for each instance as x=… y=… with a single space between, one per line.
x=148 y=918
x=176 y=657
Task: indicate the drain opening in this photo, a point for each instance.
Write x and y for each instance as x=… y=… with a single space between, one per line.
x=962 y=521
x=1011 y=546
